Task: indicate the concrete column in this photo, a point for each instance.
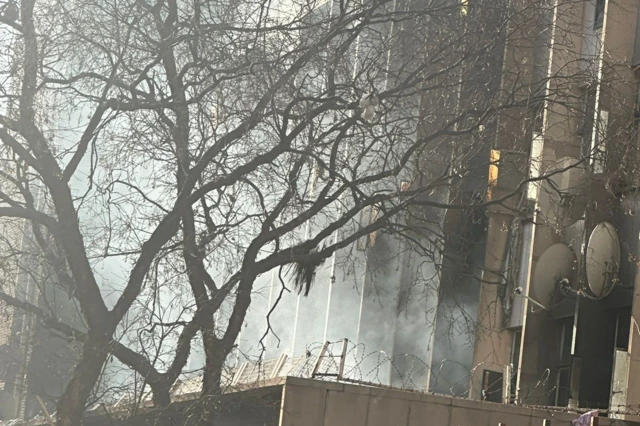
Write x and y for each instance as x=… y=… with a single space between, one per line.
x=492 y=343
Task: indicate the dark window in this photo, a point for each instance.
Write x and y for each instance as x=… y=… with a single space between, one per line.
x=599 y=15
x=636 y=47
x=566 y=340
x=492 y=386
x=585 y=112
x=636 y=135
x=515 y=361
x=562 y=389
x=623 y=326
x=538 y=116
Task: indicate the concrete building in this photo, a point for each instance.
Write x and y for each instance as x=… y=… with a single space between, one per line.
x=554 y=329
x=409 y=317
x=558 y=301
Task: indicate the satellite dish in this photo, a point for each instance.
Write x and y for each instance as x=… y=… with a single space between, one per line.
x=562 y=200
x=557 y=263
x=602 y=259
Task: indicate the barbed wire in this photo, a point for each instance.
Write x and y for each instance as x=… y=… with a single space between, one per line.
x=357 y=364
x=407 y=372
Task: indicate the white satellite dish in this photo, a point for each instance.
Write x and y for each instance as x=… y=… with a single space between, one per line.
x=557 y=263
x=602 y=259
x=562 y=195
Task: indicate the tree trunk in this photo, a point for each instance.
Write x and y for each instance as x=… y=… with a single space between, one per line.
x=161 y=396
x=212 y=375
x=162 y=405
x=211 y=381
x=86 y=374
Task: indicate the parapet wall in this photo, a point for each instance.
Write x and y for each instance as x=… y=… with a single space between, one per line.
x=315 y=403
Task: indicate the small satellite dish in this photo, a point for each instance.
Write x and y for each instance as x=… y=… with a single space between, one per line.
x=557 y=263
x=562 y=196
x=602 y=259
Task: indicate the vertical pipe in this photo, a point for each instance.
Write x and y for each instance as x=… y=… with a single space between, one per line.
x=529 y=247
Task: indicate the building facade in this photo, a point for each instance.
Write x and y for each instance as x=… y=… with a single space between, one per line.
x=544 y=310
x=35 y=362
